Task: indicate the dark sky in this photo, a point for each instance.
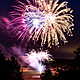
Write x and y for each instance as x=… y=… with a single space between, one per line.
x=74 y=42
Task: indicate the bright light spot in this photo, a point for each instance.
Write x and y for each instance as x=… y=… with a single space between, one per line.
x=41 y=68
x=36 y=23
x=50 y=18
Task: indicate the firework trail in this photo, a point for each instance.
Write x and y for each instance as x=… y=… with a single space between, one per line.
x=41 y=19
x=4 y=22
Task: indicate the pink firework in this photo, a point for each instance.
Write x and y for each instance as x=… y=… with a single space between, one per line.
x=41 y=19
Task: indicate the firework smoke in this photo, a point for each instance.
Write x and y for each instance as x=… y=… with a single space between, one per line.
x=33 y=59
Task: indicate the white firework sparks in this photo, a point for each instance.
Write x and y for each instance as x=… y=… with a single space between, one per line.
x=47 y=20
x=34 y=59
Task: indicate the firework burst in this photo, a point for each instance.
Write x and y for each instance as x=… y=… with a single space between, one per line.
x=35 y=58
x=45 y=20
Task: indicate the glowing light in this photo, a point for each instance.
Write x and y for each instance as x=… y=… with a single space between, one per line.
x=43 y=19
x=34 y=59
x=35 y=22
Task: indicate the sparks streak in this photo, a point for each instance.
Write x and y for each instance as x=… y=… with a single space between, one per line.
x=47 y=20
x=35 y=60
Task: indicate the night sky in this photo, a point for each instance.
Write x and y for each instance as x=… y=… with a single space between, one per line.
x=65 y=51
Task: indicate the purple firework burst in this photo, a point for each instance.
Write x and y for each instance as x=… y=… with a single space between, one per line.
x=43 y=19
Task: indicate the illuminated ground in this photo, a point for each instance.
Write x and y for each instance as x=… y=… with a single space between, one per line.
x=29 y=74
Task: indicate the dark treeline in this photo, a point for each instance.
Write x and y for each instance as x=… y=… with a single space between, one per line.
x=64 y=69
x=9 y=69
